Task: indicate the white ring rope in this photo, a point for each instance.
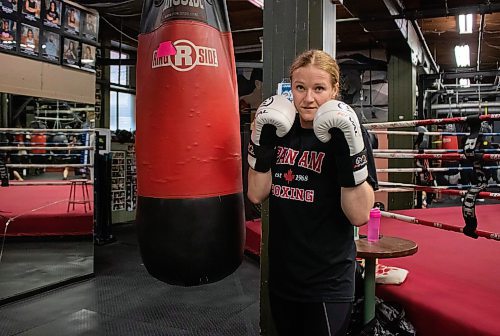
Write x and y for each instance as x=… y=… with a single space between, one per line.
x=22 y=214
x=433 y=151
x=44 y=183
x=437 y=169
x=47 y=130
x=33 y=165
x=450 y=156
x=11 y=148
x=428 y=133
x=424 y=122
x=459 y=186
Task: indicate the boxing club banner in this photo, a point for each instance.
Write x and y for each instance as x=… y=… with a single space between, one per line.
x=190 y=205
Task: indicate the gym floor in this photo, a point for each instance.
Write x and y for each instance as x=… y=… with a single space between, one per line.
x=123 y=299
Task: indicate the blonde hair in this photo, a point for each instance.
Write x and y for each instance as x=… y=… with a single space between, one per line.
x=319 y=59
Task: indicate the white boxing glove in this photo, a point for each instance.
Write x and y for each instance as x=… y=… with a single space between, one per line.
x=274 y=118
x=337 y=120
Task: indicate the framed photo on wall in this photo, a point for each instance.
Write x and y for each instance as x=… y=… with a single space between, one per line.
x=30 y=39
x=54 y=31
x=53 y=10
x=70 y=53
x=31 y=9
x=90 y=26
x=8 y=6
x=51 y=46
x=88 y=57
x=8 y=33
x=72 y=20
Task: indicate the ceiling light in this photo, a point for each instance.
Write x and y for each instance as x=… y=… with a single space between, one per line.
x=258 y=3
x=465 y=23
x=462 y=56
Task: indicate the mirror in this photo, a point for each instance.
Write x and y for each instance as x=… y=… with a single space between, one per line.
x=47 y=210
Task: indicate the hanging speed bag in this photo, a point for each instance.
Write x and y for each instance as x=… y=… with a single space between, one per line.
x=190 y=218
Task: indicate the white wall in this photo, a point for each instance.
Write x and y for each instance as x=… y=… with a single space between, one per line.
x=23 y=76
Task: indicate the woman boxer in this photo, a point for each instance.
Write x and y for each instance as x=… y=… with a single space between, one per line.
x=313 y=167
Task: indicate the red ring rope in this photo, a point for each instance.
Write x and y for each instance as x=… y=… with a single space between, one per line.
x=437 y=225
x=441 y=121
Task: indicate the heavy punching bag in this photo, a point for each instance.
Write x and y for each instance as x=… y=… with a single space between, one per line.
x=190 y=217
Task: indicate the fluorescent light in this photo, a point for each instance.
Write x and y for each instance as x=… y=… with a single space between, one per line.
x=462 y=56
x=464 y=82
x=465 y=23
x=258 y=3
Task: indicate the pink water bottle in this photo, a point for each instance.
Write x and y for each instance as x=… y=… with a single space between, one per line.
x=374 y=225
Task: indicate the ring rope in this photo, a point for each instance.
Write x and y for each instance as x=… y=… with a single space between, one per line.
x=483 y=194
x=22 y=214
x=70 y=165
x=484 y=157
x=455 y=186
x=47 y=143
x=11 y=148
x=436 y=169
x=43 y=183
x=434 y=151
x=427 y=133
x=54 y=154
x=47 y=130
x=437 y=225
x=55 y=118
x=440 y=190
x=423 y=122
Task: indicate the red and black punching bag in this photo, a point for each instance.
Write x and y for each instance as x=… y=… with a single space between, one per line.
x=190 y=218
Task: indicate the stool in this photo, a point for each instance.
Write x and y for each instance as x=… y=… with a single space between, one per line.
x=85 y=194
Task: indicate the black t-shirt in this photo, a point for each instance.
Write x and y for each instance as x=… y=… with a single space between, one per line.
x=31 y=4
x=8 y=4
x=52 y=16
x=311 y=242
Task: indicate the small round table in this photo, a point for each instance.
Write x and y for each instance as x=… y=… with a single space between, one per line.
x=384 y=248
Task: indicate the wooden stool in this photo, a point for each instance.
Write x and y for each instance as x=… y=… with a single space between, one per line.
x=85 y=194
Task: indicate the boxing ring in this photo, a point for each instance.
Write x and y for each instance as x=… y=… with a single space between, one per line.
x=50 y=217
x=452 y=285
x=38 y=207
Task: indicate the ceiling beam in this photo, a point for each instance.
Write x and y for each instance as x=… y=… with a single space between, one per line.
x=395 y=32
x=426 y=13
x=463 y=74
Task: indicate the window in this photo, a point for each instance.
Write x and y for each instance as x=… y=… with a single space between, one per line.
x=122 y=96
x=120 y=74
x=122 y=111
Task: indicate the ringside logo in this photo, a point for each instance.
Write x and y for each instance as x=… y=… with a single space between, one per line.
x=359 y=160
x=187 y=57
x=343 y=106
x=184 y=10
x=191 y=3
x=267 y=102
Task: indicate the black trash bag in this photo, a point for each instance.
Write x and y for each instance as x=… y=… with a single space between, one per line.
x=392 y=319
x=389 y=320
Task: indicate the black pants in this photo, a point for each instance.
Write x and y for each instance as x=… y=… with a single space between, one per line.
x=293 y=318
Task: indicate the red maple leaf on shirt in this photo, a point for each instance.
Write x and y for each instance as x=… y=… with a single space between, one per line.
x=289 y=176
